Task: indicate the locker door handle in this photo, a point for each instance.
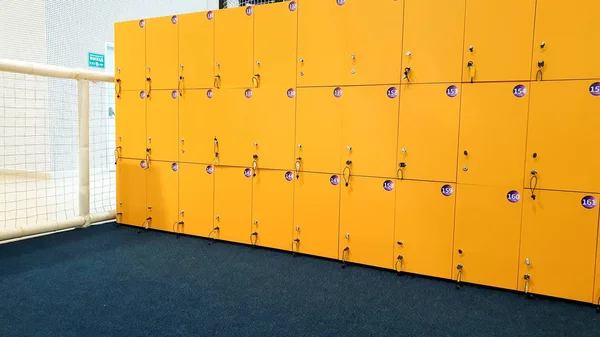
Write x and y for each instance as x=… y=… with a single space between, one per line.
x=471 y=66
x=179 y=91
x=254 y=165
x=118 y=88
x=149 y=81
x=217 y=82
x=298 y=166
x=117 y=154
x=349 y=170
x=399 y=260
x=256 y=80
x=406 y=73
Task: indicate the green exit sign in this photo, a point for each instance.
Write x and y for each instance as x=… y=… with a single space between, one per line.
x=95 y=60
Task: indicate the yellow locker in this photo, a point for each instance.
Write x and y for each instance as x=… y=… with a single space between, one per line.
x=596 y=298
x=196 y=192
x=493 y=129
x=370 y=130
x=233 y=116
x=131 y=192
x=130 y=55
x=433 y=41
x=367 y=222
x=272 y=209
x=558 y=245
x=373 y=50
x=275 y=45
x=233 y=204
x=486 y=235
x=234 y=31
x=316 y=214
x=424 y=228
x=196 y=50
x=131 y=125
x=163 y=196
x=321 y=43
x=497 y=49
x=563 y=122
x=162 y=125
x=162 y=53
x=319 y=129
x=568 y=50
x=198 y=116
x=432 y=110
x=272 y=123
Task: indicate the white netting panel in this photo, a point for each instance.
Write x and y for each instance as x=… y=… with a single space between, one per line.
x=238 y=3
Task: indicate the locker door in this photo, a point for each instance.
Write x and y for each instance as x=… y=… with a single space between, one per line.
x=558 y=244
x=432 y=110
x=196 y=50
x=370 y=130
x=568 y=50
x=130 y=55
x=275 y=44
x=374 y=41
x=162 y=52
x=235 y=146
x=321 y=43
x=486 y=235
x=367 y=222
x=163 y=196
x=319 y=129
x=162 y=128
x=131 y=124
x=272 y=209
x=316 y=214
x=424 y=227
x=198 y=116
x=493 y=129
x=272 y=119
x=234 y=31
x=433 y=40
x=563 y=125
x=596 y=298
x=196 y=191
x=233 y=204
x=131 y=192
x=499 y=49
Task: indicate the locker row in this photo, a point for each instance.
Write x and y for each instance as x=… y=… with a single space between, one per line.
x=486 y=235
x=359 y=42
x=537 y=135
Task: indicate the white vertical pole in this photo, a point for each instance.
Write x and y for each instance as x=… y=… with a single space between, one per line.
x=83 y=105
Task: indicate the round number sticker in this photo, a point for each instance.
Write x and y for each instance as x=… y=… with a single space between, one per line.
x=143 y=164
x=174 y=19
x=388 y=185
x=289 y=176
x=142 y=94
x=337 y=92
x=595 y=89
x=210 y=15
x=334 y=180
x=392 y=92
x=249 y=10
x=209 y=93
x=248 y=93
x=520 y=91
x=452 y=91
x=291 y=93
x=174 y=94
x=341 y=2
x=293 y=6
x=210 y=169
x=142 y=23
x=447 y=190
x=588 y=202
x=174 y=167
x=513 y=196
x=247 y=173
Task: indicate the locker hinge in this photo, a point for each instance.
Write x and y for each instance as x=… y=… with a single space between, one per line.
x=459 y=269
x=345 y=253
x=295 y=244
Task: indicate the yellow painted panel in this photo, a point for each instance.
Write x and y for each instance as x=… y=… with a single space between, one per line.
x=275 y=44
x=198 y=117
x=563 y=131
x=558 y=244
x=370 y=130
x=196 y=50
x=272 y=209
x=130 y=55
x=432 y=110
x=433 y=40
x=319 y=129
x=321 y=43
x=499 y=49
x=316 y=214
x=163 y=196
x=234 y=31
x=373 y=50
x=131 y=124
x=486 y=235
x=570 y=49
x=162 y=52
x=233 y=121
x=196 y=192
x=596 y=297
x=424 y=227
x=233 y=204
x=131 y=192
x=162 y=125
x=367 y=222
x=493 y=128
x=272 y=121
